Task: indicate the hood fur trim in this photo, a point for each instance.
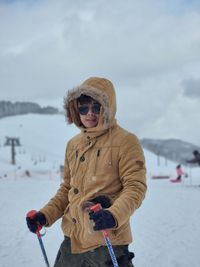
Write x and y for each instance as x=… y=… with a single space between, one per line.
x=71 y=109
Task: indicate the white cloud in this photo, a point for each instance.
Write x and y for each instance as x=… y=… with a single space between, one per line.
x=191 y=87
x=147 y=48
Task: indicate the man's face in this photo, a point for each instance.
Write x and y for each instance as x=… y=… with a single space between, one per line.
x=89 y=113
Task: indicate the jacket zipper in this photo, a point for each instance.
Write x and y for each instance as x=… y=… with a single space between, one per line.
x=97 y=156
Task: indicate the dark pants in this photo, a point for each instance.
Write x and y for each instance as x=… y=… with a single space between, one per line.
x=98 y=257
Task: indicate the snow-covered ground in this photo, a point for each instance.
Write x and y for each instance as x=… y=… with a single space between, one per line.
x=165 y=228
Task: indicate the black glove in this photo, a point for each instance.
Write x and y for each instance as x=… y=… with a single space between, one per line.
x=103 y=200
x=35 y=221
x=103 y=219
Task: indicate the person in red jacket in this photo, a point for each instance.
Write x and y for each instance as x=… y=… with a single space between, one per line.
x=179 y=172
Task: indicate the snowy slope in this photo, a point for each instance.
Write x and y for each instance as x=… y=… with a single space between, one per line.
x=165 y=228
x=42 y=138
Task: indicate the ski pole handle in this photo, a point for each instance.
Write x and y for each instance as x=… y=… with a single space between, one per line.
x=96 y=208
x=31 y=214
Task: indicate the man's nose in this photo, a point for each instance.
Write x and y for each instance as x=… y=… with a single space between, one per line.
x=90 y=112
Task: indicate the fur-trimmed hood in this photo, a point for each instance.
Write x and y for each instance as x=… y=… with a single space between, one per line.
x=101 y=90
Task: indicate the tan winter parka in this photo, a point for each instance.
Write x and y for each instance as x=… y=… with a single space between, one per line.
x=104 y=160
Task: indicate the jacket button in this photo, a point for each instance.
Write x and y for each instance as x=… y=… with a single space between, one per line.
x=73 y=220
x=82 y=158
x=76 y=190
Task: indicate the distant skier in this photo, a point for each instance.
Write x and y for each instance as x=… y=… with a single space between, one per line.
x=103 y=164
x=179 y=172
x=196 y=158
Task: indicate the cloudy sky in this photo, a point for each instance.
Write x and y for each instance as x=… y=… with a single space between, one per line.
x=149 y=49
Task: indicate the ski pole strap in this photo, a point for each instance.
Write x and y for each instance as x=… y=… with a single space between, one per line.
x=96 y=208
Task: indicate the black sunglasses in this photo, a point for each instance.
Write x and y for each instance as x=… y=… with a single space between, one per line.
x=84 y=109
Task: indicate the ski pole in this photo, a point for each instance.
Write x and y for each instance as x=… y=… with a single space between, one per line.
x=31 y=215
x=96 y=208
x=42 y=248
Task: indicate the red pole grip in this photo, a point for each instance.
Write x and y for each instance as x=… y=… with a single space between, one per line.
x=31 y=214
x=96 y=207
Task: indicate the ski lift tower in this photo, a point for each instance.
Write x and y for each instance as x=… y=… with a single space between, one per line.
x=13 y=142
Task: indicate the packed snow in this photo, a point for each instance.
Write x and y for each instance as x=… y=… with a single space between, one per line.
x=165 y=228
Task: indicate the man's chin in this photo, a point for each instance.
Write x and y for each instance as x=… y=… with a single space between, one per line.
x=91 y=125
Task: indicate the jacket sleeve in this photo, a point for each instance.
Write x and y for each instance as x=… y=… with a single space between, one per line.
x=54 y=209
x=132 y=173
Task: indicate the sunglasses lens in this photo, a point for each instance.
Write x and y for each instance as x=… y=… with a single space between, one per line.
x=83 y=110
x=96 y=108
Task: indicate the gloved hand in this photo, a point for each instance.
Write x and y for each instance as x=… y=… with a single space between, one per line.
x=103 y=200
x=103 y=219
x=35 y=221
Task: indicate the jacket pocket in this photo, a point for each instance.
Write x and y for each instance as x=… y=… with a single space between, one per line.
x=115 y=233
x=105 y=160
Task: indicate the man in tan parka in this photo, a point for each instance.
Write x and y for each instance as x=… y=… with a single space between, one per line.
x=102 y=163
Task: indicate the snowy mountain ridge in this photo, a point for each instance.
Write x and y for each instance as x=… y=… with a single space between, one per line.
x=8 y=108
x=173 y=149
